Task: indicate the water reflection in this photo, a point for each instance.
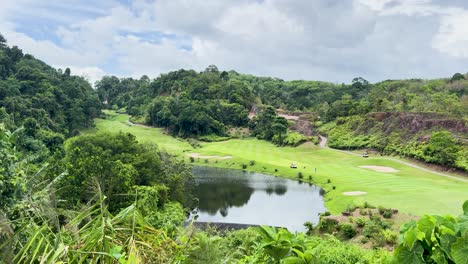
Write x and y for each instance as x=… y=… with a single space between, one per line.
x=234 y=196
x=213 y=196
x=221 y=189
x=278 y=189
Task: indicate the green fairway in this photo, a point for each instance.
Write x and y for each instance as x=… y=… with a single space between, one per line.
x=410 y=190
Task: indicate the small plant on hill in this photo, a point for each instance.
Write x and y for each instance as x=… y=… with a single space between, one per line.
x=387 y=213
x=299 y=175
x=363 y=211
x=327 y=225
x=252 y=162
x=391 y=237
x=360 y=222
x=347 y=230
x=325 y=213
x=192 y=159
x=244 y=166
x=381 y=210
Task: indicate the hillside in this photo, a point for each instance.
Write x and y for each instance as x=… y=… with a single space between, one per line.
x=392 y=116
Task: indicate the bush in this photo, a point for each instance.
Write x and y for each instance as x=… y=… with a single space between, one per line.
x=322 y=192
x=328 y=225
x=360 y=222
x=381 y=210
x=294 y=139
x=347 y=230
x=368 y=205
x=325 y=213
x=192 y=159
x=391 y=237
x=299 y=175
x=328 y=181
x=213 y=138
x=193 y=143
x=252 y=162
x=362 y=211
x=387 y=213
x=206 y=161
x=334 y=187
x=371 y=228
x=244 y=166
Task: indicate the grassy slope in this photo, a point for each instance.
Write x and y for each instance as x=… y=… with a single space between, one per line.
x=410 y=190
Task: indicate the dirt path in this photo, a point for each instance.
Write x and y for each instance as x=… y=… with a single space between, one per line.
x=323 y=141
x=323 y=144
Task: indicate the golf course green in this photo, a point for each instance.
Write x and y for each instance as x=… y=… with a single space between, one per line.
x=408 y=189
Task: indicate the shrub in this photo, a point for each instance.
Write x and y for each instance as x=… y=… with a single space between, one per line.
x=350 y=208
x=378 y=240
x=299 y=175
x=328 y=181
x=294 y=139
x=371 y=228
x=206 y=161
x=325 y=213
x=360 y=222
x=363 y=211
x=193 y=143
x=381 y=210
x=391 y=237
x=347 y=230
x=334 y=187
x=252 y=162
x=213 y=138
x=368 y=205
x=322 y=192
x=244 y=166
x=192 y=159
x=387 y=213
x=328 y=225
x=276 y=170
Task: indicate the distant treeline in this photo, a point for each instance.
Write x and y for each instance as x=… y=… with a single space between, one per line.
x=202 y=104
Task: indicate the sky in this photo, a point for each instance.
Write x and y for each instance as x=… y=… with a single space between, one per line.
x=327 y=40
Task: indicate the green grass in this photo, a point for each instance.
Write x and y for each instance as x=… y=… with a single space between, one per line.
x=410 y=190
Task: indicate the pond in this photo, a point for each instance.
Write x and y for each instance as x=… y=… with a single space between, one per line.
x=235 y=196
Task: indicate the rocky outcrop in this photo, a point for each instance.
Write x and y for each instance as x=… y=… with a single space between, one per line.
x=416 y=122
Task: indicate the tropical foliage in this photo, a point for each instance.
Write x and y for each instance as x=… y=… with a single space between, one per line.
x=435 y=239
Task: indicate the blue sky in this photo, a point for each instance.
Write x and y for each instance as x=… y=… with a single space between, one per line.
x=318 y=40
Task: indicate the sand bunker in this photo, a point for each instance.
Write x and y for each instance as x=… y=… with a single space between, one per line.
x=197 y=155
x=354 y=193
x=379 y=168
x=289 y=117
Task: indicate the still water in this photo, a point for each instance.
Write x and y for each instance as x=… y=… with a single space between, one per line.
x=234 y=196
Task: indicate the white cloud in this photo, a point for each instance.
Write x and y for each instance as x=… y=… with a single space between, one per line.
x=92 y=74
x=452 y=37
x=323 y=39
